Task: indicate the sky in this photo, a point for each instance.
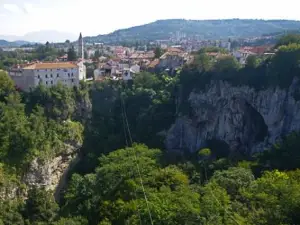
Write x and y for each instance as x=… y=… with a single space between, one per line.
x=93 y=17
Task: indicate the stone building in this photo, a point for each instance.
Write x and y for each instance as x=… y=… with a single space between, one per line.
x=48 y=74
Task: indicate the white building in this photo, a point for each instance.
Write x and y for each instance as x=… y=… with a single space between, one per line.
x=48 y=74
x=242 y=55
x=128 y=73
x=135 y=68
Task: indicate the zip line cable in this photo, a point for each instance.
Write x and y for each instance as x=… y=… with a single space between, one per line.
x=124 y=129
x=125 y=135
x=137 y=164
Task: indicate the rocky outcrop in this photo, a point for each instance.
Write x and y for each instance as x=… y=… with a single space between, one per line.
x=83 y=109
x=10 y=190
x=246 y=119
x=50 y=174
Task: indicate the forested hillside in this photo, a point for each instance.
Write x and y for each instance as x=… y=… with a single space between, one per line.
x=203 y=29
x=126 y=175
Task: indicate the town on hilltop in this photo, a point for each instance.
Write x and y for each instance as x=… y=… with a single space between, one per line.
x=69 y=63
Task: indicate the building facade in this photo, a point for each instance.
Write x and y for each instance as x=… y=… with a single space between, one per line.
x=48 y=74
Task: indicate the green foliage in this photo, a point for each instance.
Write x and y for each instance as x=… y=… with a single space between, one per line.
x=233 y=179
x=284 y=155
x=11 y=212
x=278 y=70
x=288 y=39
x=117 y=189
x=72 y=54
x=252 y=61
x=40 y=206
x=158 y=52
x=146 y=80
x=45 y=52
x=71 y=221
x=274 y=199
x=6 y=85
x=203 y=62
x=205 y=152
x=226 y=64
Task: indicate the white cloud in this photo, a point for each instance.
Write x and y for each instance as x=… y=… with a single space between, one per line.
x=28 y=8
x=13 y=8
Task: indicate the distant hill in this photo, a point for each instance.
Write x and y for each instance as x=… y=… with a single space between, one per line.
x=4 y=43
x=203 y=29
x=42 y=36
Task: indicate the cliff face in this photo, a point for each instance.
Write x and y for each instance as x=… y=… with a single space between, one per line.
x=50 y=174
x=246 y=119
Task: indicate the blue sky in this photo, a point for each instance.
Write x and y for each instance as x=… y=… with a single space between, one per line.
x=93 y=17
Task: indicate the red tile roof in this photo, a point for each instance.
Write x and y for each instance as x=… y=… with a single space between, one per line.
x=52 y=65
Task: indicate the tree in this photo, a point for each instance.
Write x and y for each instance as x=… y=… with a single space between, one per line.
x=10 y=212
x=97 y=54
x=273 y=198
x=215 y=205
x=146 y=80
x=288 y=39
x=40 y=206
x=116 y=195
x=71 y=221
x=72 y=54
x=226 y=64
x=284 y=155
x=233 y=179
x=158 y=52
x=203 y=62
x=6 y=85
x=252 y=61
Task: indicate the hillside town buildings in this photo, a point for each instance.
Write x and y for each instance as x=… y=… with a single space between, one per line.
x=123 y=63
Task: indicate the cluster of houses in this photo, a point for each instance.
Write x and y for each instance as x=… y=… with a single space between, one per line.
x=119 y=63
x=126 y=63
x=244 y=52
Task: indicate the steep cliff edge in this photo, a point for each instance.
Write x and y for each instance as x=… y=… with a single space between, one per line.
x=49 y=174
x=246 y=119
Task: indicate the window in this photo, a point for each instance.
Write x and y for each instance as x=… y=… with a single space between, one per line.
x=46 y=82
x=51 y=82
x=51 y=75
x=68 y=74
x=72 y=75
x=57 y=75
x=46 y=76
x=51 y=70
x=39 y=76
x=72 y=80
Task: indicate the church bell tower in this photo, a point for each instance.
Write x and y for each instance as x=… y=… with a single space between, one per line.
x=80 y=47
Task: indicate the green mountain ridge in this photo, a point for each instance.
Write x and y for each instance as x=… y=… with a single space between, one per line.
x=202 y=29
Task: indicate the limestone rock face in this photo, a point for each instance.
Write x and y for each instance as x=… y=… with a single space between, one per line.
x=246 y=119
x=50 y=174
